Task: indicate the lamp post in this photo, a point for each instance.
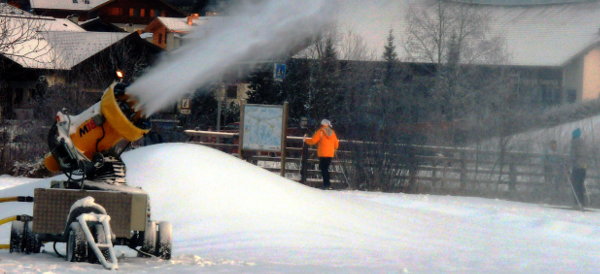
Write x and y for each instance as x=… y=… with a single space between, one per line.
x=120 y=75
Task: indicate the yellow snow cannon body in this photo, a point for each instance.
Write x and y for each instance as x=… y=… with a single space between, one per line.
x=76 y=140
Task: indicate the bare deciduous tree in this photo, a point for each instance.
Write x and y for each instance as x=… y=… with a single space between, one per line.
x=458 y=41
x=352 y=46
x=20 y=37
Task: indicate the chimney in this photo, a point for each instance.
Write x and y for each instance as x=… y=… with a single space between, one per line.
x=190 y=18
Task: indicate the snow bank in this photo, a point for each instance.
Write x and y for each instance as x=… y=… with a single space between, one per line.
x=229 y=215
x=222 y=206
x=9 y=182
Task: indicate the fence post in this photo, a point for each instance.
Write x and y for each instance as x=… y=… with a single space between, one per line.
x=303 y=163
x=512 y=176
x=284 y=137
x=434 y=179
x=463 y=170
x=413 y=167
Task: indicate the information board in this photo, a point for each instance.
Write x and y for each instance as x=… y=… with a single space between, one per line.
x=262 y=127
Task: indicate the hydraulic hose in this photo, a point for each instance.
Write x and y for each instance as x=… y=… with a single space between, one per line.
x=8 y=220
x=24 y=218
x=25 y=199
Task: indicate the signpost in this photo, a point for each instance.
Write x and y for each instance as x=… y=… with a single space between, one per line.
x=185 y=106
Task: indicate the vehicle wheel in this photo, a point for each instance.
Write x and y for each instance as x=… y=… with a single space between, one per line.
x=164 y=240
x=77 y=246
x=16 y=237
x=31 y=240
x=150 y=234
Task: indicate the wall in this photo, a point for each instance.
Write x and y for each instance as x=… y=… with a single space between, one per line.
x=136 y=11
x=573 y=80
x=591 y=75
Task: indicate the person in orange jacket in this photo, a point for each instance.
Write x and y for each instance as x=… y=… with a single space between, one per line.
x=327 y=143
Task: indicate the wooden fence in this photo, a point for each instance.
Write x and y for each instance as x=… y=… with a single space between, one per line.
x=434 y=169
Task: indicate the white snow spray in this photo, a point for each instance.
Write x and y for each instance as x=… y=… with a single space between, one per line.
x=250 y=33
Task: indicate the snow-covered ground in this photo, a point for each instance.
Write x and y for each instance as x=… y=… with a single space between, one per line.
x=230 y=216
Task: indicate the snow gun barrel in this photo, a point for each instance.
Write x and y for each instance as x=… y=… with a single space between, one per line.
x=75 y=139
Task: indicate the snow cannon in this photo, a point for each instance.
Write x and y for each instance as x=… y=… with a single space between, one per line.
x=94 y=209
x=74 y=141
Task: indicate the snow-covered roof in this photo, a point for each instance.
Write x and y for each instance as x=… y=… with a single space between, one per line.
x=547 y=35
x=537 y=35
x=72 y=48
x=67 y=4
x=49 y=43
x=179 y=24
x=42 y=23
x=6 y=9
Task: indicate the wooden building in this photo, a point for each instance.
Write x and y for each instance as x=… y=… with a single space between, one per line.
x=168 y=32
x=61 y=53
x=132 y=12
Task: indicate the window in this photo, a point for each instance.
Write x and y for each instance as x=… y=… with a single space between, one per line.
x=152 y=13
x=142 y=12
x=231 y=92
x=131 y=12
x=571 y=96
x=74 y=1
x=163 y=13
x=115 y=11
x=86 y=1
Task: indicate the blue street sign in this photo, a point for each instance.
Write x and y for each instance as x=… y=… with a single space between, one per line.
x=279 y=71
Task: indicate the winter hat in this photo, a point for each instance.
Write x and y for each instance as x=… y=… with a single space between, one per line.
x=326 y=122
x=576 y=133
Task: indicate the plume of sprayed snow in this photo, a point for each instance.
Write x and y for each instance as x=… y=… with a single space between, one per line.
x=252 y=32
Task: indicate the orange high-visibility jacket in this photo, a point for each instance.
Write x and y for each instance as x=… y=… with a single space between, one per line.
x=327 y=142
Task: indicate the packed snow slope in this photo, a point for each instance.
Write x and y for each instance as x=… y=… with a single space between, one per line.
x=229 y=215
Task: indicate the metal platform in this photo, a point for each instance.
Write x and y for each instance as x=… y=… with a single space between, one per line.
x=128 y=211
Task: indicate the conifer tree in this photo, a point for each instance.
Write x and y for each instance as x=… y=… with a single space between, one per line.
x=390 y=57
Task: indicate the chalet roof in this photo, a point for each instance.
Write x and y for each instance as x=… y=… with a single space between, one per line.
x=72 y=48
x=80 y=5
x=50 y=43
x=537 y=35
x=6 y=9
x=62 y=50
x=179 y=24
x=547 y=35
x=41 y=23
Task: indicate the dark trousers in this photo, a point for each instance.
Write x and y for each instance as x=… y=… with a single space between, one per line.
x=578 y=179
x=324 y=163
